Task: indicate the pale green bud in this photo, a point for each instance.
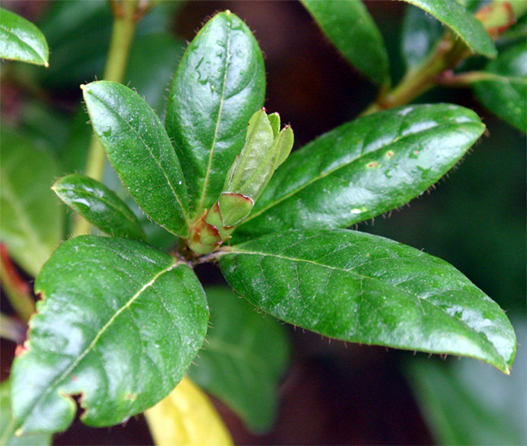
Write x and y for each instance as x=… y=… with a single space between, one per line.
x=266 y=147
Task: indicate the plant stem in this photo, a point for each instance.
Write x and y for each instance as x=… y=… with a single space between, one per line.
x=12 y=329
x=15 y=288
x=447 y=54
x=125 y=20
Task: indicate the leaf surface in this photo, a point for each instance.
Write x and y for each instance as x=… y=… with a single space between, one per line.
x=31 y=223
x=118 y=324
x=218 y=86
x=7 y=424
x=364 y=168
x=490 y=407
x=349 y=26
x=187 y=417
x=99 y=205
x=506 y=93
x=462 y=22
x=141 y=153
x=21 y=40
x=363 y=288
x=244 y=358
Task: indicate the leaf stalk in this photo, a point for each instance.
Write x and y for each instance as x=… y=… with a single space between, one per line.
x=15 y=288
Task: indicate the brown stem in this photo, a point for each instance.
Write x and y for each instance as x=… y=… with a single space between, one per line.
x=15 y=287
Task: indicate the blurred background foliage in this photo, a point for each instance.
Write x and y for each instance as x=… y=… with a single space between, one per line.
x=474 y=219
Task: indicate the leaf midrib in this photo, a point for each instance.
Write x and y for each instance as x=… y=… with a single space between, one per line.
x=216 y=130
x=323 y=175
x=349 y=271
x=101 y=332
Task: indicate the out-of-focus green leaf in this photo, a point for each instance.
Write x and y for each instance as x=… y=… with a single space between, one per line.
x=99 y=205
x=76 y=59
x=364 y=168
x=7 y=424
x=141 y=152
x=506 y=93
x=218 y=86
x=153 y=60
x=47 y=128
x=78 y=33
x=74 y=152
x=31 y=222
x=516 y=32
x=420 y=33
x=243 y=359
x=21 y=40
x=467 y=403
x=119 y=323
x=462 y=22
x=351 y=29
x=363 y=288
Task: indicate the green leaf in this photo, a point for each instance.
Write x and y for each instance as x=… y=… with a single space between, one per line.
x=490 y=408
x=32 y=220
x=219 y=85
x=156 y=236
x=99 y=205
x=21 y=40
x=349 y=26
x=119 y=324
x=76 y=59
x=420 y=33
x=506 y=93
x=141 y=153
x=363 y=288
x=244 y=358
x=7 y=424
x=364 y=168
x=462 y=22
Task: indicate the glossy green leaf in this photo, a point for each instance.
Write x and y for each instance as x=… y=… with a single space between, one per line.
x=218 y=86
x=99 y=205
x=349 y=26
x=119 y=324
x=141 y=153
x=244 y=358
x=462 y=22
x=506 y=93
x=7 y=424
x=364 y=168
x=420 y=33
x=363 y=288
x=156 y=235
x=468 y=403
x=21 y=40
x=31 y=222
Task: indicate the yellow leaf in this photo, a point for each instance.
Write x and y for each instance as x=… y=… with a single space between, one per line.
x=187 y=417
